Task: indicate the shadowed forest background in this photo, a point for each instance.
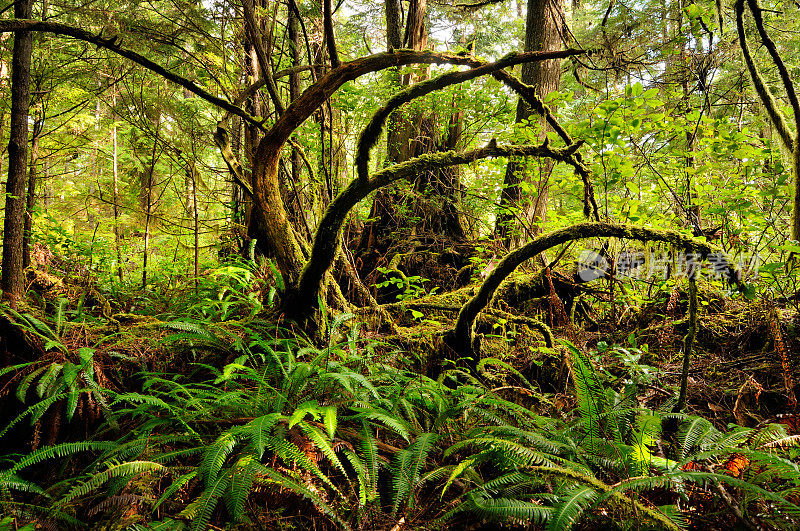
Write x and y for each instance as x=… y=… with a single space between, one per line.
x=404 y=264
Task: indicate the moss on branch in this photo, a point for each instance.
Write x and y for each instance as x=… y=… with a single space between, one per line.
x=461 y=340
x=326 y=239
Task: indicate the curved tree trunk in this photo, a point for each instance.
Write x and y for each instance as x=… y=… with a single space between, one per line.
x=462 y=341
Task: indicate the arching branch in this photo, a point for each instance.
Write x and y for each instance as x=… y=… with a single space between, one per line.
x=461 y=339
x=326 y=239
x=372 y=132
x=304 y=106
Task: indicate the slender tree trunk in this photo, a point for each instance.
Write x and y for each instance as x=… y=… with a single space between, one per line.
x=382 y=210
x=191 y=181
x=403 y=137
x=13 y=279
x=543 y=28
x=30 y=200
x=149 y=206
x=295 y=45
x=115 y=187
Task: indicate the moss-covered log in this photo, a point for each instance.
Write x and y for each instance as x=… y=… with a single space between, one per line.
x=461 y=339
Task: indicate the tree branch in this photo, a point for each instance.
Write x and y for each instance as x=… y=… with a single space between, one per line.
x=770 y=103
x=755 y=9
x=113 y=44
x=314 y=96
x=327 y=20
x=222 y=140
x=326 y=240
x=263 y=60
x=461 y=339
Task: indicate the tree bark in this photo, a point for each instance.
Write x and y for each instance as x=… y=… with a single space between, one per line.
x=30 y=199
x=13 y=279
x=790 y=140
x=543 y=28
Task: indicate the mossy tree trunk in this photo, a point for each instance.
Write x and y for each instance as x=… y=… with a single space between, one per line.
x=519 y=216
x=790 y=139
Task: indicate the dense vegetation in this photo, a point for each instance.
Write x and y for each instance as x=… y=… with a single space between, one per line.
x=296 y=264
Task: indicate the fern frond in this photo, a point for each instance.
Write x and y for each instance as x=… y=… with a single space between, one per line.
x=259 y=428
x=384 y=417
x=14 y=482
x=215 y=457
x=570 y=507
x=243 y=474
x=175 y=487
x=689 y=435
x=200 y=511
x=130 y=468
x=59 y=451
x=407 y=466
x=369 y=449
x=323 y=444
x=505 y=509
x=305 y=492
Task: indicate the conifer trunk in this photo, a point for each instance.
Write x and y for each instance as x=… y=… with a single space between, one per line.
x=543 y=28
x=13 y=280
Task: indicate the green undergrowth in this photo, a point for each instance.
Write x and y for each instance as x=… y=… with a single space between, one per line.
x=263 y=428
x=209 y=413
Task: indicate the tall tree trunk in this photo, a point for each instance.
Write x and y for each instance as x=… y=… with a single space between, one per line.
x=148 y=213
x=404 y=127
x=193 y=211
x=115 y=188
x=295 y=49
x=30 y=199
x=13 y=280
x=543 y=28
x=382 y=211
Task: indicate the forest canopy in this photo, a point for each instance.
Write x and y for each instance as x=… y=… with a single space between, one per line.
x=291 y=264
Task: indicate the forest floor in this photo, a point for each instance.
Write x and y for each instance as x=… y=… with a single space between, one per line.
x=743 y=368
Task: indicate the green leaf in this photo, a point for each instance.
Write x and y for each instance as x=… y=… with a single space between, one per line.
x=329 y=418
x=312 y=407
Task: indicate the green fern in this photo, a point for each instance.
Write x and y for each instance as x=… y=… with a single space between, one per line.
x=215 y=457
x=130 y=468
x=570 y=506
x=174 y=487
x=508 y=509
x=243 y=474
x=302 y=490
x=407 y=467
x=201 y=510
